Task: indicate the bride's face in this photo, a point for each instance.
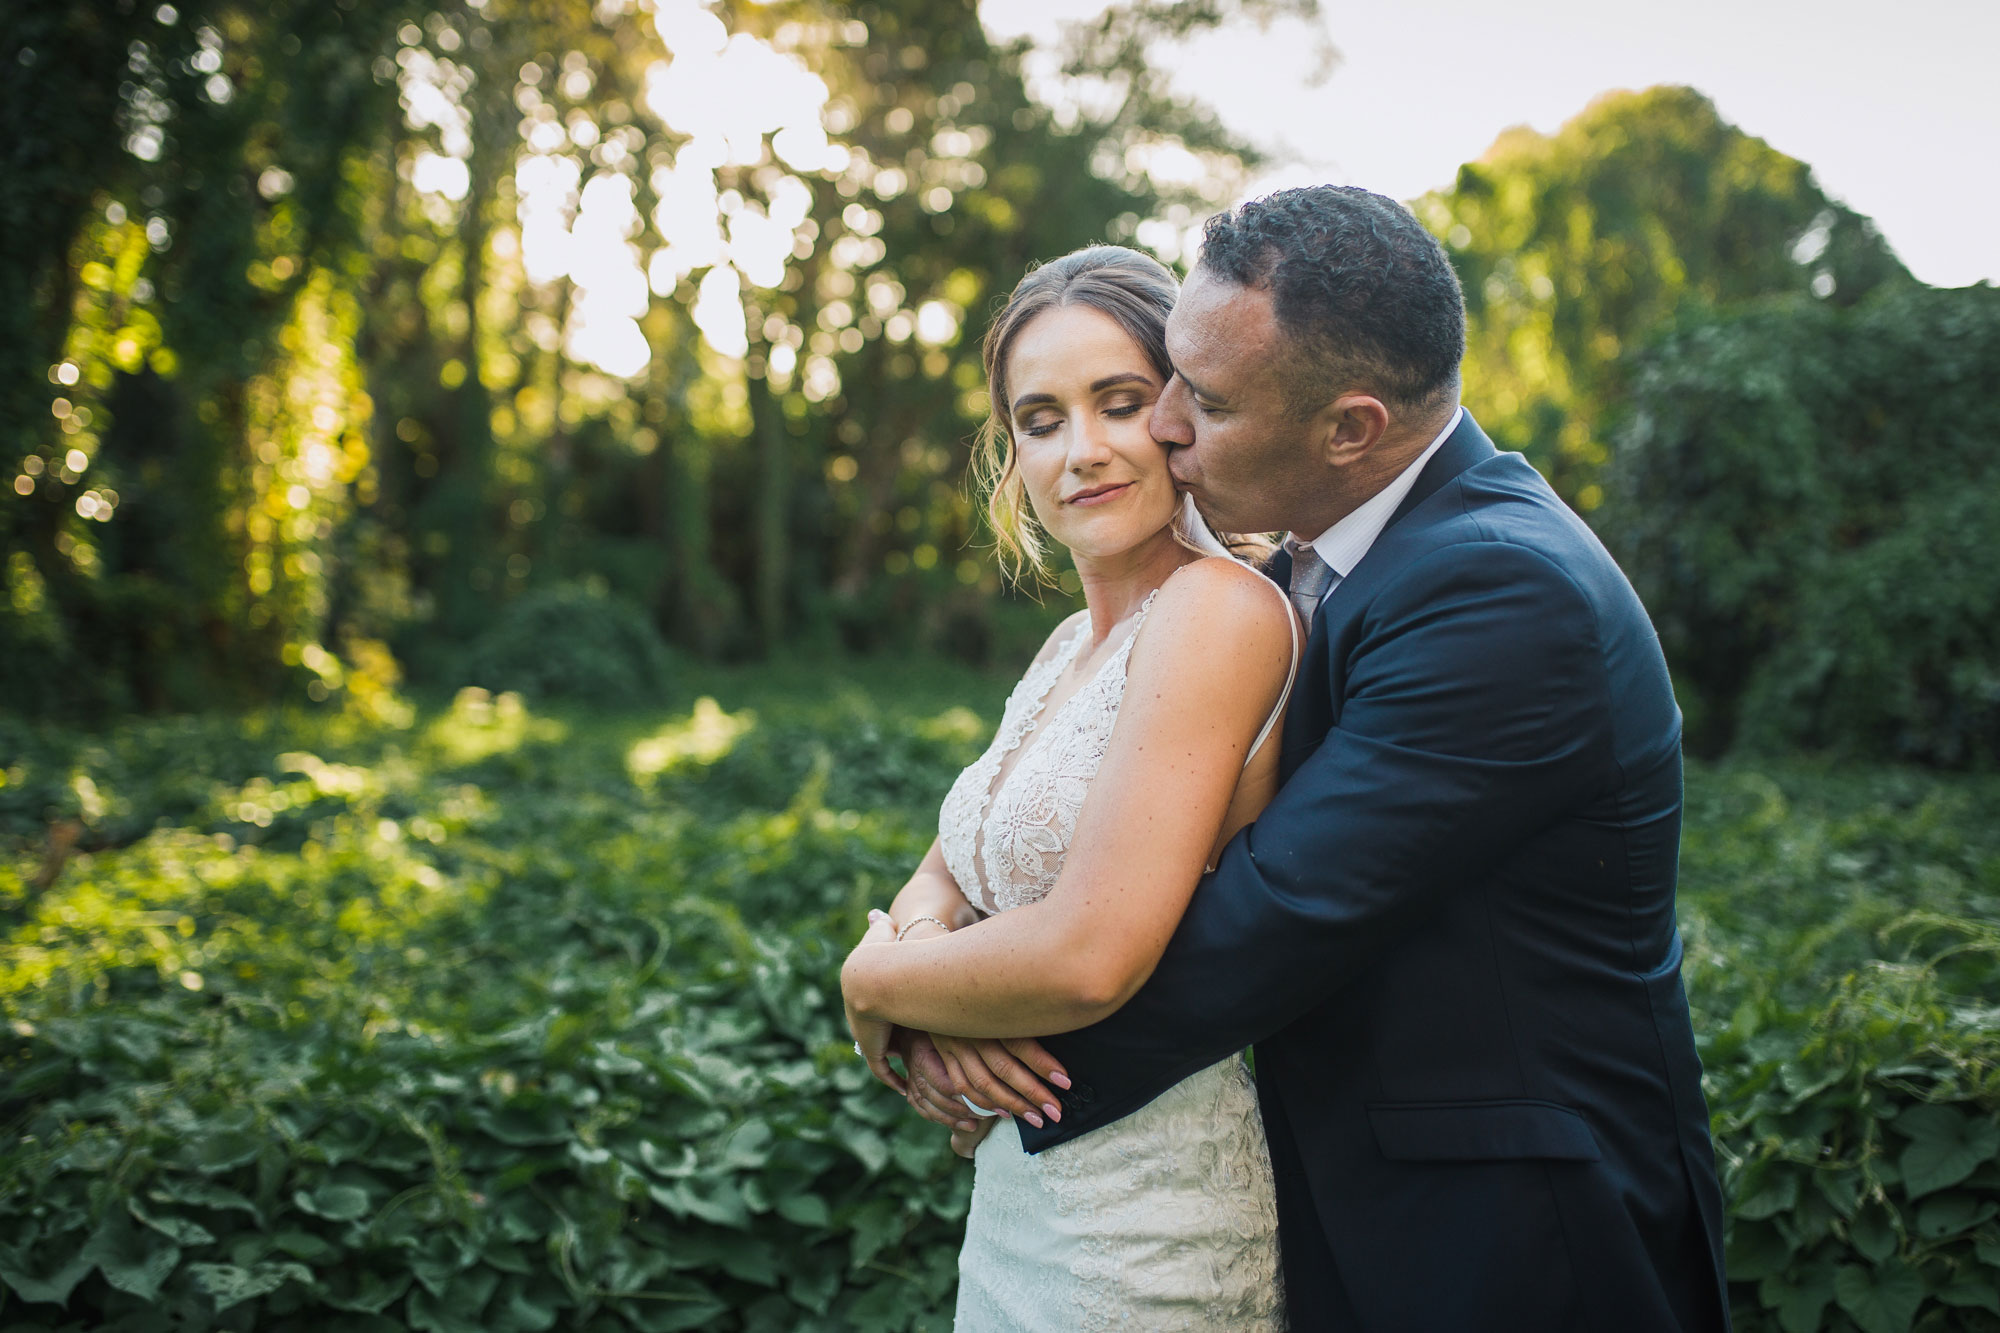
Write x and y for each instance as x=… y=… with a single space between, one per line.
x=1083 y=391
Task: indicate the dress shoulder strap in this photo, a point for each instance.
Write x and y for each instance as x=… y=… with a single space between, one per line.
x=1291 y=675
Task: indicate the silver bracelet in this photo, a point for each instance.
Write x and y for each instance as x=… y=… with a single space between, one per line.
x=911 y=924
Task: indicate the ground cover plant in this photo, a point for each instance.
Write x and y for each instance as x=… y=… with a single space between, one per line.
x=523 y=1017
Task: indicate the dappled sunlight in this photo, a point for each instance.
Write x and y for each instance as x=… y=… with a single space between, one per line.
x=702 y=738
x=480 y=725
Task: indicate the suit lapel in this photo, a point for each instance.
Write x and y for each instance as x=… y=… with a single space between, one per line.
x=1314 y=711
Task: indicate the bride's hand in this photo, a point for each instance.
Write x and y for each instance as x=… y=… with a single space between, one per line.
x=872 y=1036
x=1004 y=1075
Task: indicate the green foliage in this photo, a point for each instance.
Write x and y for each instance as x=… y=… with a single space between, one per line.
x=281 y=404
x=1804 y=497
x=1846 y=984
x=1573 y=246
x=508 y=1018
x=506 y=1021
x=569 y=641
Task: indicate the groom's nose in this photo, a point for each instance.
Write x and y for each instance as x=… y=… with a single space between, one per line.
x=1171 y=423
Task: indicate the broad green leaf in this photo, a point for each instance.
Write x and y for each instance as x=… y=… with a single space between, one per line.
x=231 y=1285
x=221 y=1150
x=1755 y=1250
x=36 y=1284
x=520 y=1126
x=1946 y=1146
x=306 y=1247
x=180 y=1230
x=516 y=1311
x=1799 y=1305
x=368 y=1292
x=869 y=1148
x=1873 y=1233
x=203 y=1194
x=336 y=1203
x=748 y=1147
x=1971 y=1294
x=807 y=1210
x=1840 y=1188
x=438 y=1314
x=1884 y=1299
x=1950 y=1213
x=1777 y=1191
x=133 y=1259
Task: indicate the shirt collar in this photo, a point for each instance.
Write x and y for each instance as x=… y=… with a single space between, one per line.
x=1343 y=544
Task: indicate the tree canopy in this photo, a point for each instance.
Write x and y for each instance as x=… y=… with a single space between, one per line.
x=332 y=326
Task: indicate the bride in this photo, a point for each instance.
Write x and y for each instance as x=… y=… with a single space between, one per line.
x=1142 y=736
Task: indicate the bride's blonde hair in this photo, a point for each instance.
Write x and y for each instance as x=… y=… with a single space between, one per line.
x=1131 y=288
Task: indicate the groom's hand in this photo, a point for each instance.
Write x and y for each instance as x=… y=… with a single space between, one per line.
x=928 y=1085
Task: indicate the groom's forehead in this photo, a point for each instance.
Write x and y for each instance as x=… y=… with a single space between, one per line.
x=1221 y=318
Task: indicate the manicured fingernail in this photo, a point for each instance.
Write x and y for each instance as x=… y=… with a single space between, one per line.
x=1060 y=1079
x=966 y=1126
x=1006 y=1114
x=877 y=914
x=1032 y=1119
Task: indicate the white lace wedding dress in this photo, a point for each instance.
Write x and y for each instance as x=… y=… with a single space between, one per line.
x=1165 y=1219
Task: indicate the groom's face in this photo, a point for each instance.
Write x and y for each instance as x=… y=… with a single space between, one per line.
x=1233 y=440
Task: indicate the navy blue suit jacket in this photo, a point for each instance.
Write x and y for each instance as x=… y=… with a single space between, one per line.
x=1451 y=938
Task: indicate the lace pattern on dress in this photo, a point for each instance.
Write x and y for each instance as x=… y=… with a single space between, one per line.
x=963 y=814
x=1032 y=817
x=1166 y=1219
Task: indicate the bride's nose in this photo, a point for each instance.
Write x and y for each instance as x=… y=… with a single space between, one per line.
x=1088 y=446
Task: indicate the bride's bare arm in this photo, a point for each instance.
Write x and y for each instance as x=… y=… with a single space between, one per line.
x=1205 y=673
x=933 y=893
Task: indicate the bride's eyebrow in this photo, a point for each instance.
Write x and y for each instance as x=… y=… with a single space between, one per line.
x=1122 y=377
x=1096 y=386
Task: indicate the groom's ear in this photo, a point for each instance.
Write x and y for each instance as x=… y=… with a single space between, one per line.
x=1350 y=427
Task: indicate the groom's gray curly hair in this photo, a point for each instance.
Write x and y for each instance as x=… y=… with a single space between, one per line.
x=1365 y=293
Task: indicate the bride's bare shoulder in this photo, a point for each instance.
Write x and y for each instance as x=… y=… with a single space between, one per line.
x=1217 y=600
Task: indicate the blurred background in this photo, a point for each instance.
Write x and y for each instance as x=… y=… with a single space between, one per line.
x=492 y=595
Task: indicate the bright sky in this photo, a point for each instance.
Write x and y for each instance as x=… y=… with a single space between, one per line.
x=1896 y=108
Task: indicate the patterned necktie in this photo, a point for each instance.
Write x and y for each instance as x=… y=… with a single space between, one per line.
x=1311 y=577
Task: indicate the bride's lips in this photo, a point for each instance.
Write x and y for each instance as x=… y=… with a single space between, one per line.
x=1099 y=494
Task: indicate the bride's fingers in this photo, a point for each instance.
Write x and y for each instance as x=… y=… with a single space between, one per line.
x=878 y=1065
x=987 y=1088
x=1020 y=1078
x=1030 y=1053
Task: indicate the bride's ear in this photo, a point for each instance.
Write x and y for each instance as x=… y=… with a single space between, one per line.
x=1349 y=427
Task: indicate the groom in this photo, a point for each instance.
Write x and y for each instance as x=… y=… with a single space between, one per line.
x=1451 y=934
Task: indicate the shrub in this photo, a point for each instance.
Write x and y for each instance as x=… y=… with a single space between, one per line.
x=1804 y=497
x=569 y=642
x=514 y=1021
x=1860 y=1149
x=464 y=1029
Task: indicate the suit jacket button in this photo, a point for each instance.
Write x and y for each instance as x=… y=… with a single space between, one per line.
x=1082 y=1093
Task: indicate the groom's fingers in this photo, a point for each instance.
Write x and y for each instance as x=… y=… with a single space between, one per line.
x=929 y=1079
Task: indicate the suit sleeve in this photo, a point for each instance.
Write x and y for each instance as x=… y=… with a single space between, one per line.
x=1474 y=714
